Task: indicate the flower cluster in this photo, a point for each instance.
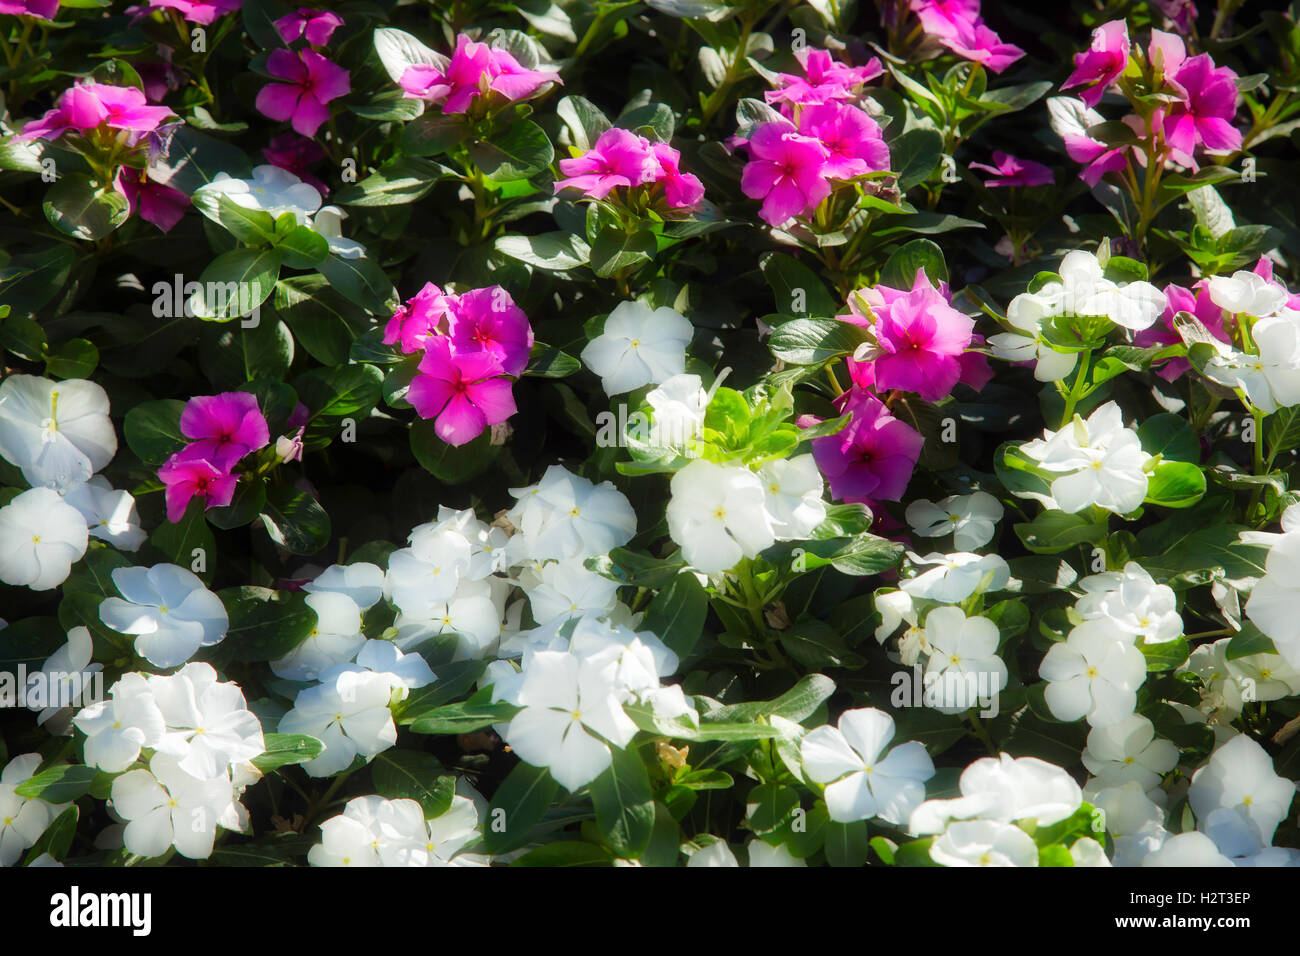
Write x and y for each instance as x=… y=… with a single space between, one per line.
x=621 y=158
x=473 y=72
x=222 y=431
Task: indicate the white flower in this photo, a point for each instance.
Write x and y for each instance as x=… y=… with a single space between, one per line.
x=1093 y=673
x=1026 y=313
x=209 y=725
x=58 y=433
x=568 y=589
x=894 y=608
x=862 y=781
x=717 y=515
x=363 y=582
x=358 y=835
x=22 y=819
x=794 y=496
x=970 y=518
x=764 y=854
x=408 y=671
x=1086 y=851
x=116 y=729
x=1128 y=751
x=41 y=537
x=271 y=189
x=1276 y=596
x=1251 y=373
x=1004 y=789
x=638 y=346
x=1247 y=292
x=1133 y=603
x=110 y=515
x=1135 y=823
x=350 y=716
x=957 y=576
x=984 y=843
x=677 y=409
x=1104 y=461
x=335 y=639
x=1187 y=849
x=169 y=610
x=1259 y=677
x=164 y=806
x=964 y=668
x=429 y=571
x=1240 y=774
x=328 y=223
x=566 y=516
x=472 y=615
x=405 y=838
x=714 y=853
x=571 y=709
x=66 y=675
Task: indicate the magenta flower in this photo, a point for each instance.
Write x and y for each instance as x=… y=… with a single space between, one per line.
x=464 y=392
x=1097 y=158
x=873 y=457
x=464 y=77
x=1101 y=64
x=619 y=157
x=297 y=154
x=976 y=42
x=159 y=78
x=200 y=11
x=224 y=428
x=785 y=171
x=188 y=475
x=1177 y=300
x=1181 y=13
x=824 y=79
x=853 y=140
x=417 y=318
x=86 y=106
x=921 y=340
x=1264 y=269
x=316 y=25
x=975 y=369
x=488 y=320
x=40 y=9
x=156 y=203
x=312 y=81
x=943 y=18
x=1008 y=170
x=1206 y=113
x=682 y=191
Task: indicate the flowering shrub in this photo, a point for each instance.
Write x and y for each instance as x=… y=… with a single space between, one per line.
x=691 y=432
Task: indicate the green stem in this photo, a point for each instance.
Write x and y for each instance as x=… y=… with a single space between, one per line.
x=981 y=732
x=1078 y=389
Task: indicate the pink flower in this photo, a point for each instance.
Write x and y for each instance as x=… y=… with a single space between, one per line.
x=417 y=318
x=224 y=428
x=976 y=42
x=785 y=171
x=921 y=340
x=316 y=25
x=40 y=9
x=618 y=158
x=824 y=79
x=1101 y=64
x=463 y=79
x=188 y=475
x=1008 y=170
x=1181 y=13
x=158 y=204
x=464 y=391
x=943 y=18
x=487 y=320
x=1177 y=300
x=1206 y=113
x=296 y=154
x=873 y=457
x=200 y=11
x=312 y=82
x=682 y=191
x=853 y=140
x=86 y=106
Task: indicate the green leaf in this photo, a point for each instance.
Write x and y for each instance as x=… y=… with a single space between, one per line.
x=283 y=750
x=1054 y=531
x=815 y=645
x=57 y=838
x=463 y=718
x=900 y=269
x=451 y=464
x=798 y=290
x=915 y=155
x=1282 y=430
x=770 y=806
x=624 y=804
x=265 y=625
x=414 y=775
x=584 y=119
x=846 y=843
x=360 y=281
x=400 y=181
x=75 y=358
x=189 y=542
x=546 y=361
x=76 y=206
x=295 y=520
x=566 y=853
x=1249 y=640
x=153 y=430
x=433 y=133
x=1175 y=484
x=253 y=226
x=1165 y=656
x=523 y=799
x=61 y=784
x=552 y=251
x=814 y=341
x=515 y=153
x=1170 y=436
x=616 y=250
x=339 y=391
x=677 y=614
x=235 y=283
x=28 y=282
x=303 y=248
